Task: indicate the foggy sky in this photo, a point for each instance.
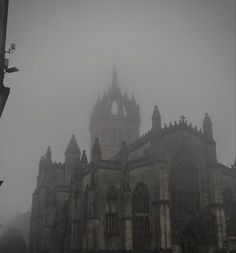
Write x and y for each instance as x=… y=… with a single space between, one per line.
x=178 y=54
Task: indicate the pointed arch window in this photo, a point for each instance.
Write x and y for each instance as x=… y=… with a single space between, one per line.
x=111 y=208
x=141 y=208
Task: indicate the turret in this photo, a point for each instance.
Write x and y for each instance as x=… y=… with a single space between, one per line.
x=96 y=151
x=84 y=160
x=124 y=152
x=72 y=148
x=156 y=119
x=207 y=127
x=157 y=143
x=115 y=118
x=207 y=131
x=72 y=155
x=48 y=154
x=44 y=167
x=96 y=157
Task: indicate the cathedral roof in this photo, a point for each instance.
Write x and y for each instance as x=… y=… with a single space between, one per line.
x=172 y=127
x=72 y=147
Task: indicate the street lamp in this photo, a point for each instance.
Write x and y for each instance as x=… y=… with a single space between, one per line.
x=11 y=70
x=4 y=91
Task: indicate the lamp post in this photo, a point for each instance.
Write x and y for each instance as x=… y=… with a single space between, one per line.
x=4 y=91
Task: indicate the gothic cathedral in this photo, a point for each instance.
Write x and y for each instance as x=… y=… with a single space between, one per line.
x=164 y=191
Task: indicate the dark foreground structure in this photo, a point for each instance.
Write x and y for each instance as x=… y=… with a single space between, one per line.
x=162 y=192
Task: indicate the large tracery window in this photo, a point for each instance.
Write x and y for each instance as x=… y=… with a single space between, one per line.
x=184 y=184
x=111 y=206
x=141 y=208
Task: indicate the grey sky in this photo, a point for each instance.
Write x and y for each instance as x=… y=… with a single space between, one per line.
x=178 y=54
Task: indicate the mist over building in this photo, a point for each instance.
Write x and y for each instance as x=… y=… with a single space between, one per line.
x=178 y=55
x=164 y=191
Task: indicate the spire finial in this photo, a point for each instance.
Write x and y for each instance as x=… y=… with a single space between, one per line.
x=48 y=153
x=207 y=126
x=72 y=147
x=114 y=76
x=84 y=159
x=96 y=151
x=207 y=120
x=156 y=119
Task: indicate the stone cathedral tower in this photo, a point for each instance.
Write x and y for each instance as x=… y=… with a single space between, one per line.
x=115 y=118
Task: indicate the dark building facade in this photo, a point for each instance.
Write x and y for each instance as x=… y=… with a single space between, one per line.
x=164 y=191
x=3 y=31
x=4 y=91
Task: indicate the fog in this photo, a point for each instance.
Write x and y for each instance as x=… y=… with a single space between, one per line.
x=178 y=54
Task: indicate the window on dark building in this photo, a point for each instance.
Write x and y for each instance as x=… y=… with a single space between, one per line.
x=141 y=208
x=184 y=185
x=111 y=219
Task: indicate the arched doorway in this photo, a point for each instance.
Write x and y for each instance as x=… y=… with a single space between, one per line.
x=189 y=242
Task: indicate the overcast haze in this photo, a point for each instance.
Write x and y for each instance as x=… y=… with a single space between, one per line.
x=177 y=54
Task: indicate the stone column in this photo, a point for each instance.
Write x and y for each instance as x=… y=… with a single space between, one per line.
x=217 y=205
x=76 y=228
x=128 y=228
x=93 y=219
x=126 y=200
x=164 y=212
